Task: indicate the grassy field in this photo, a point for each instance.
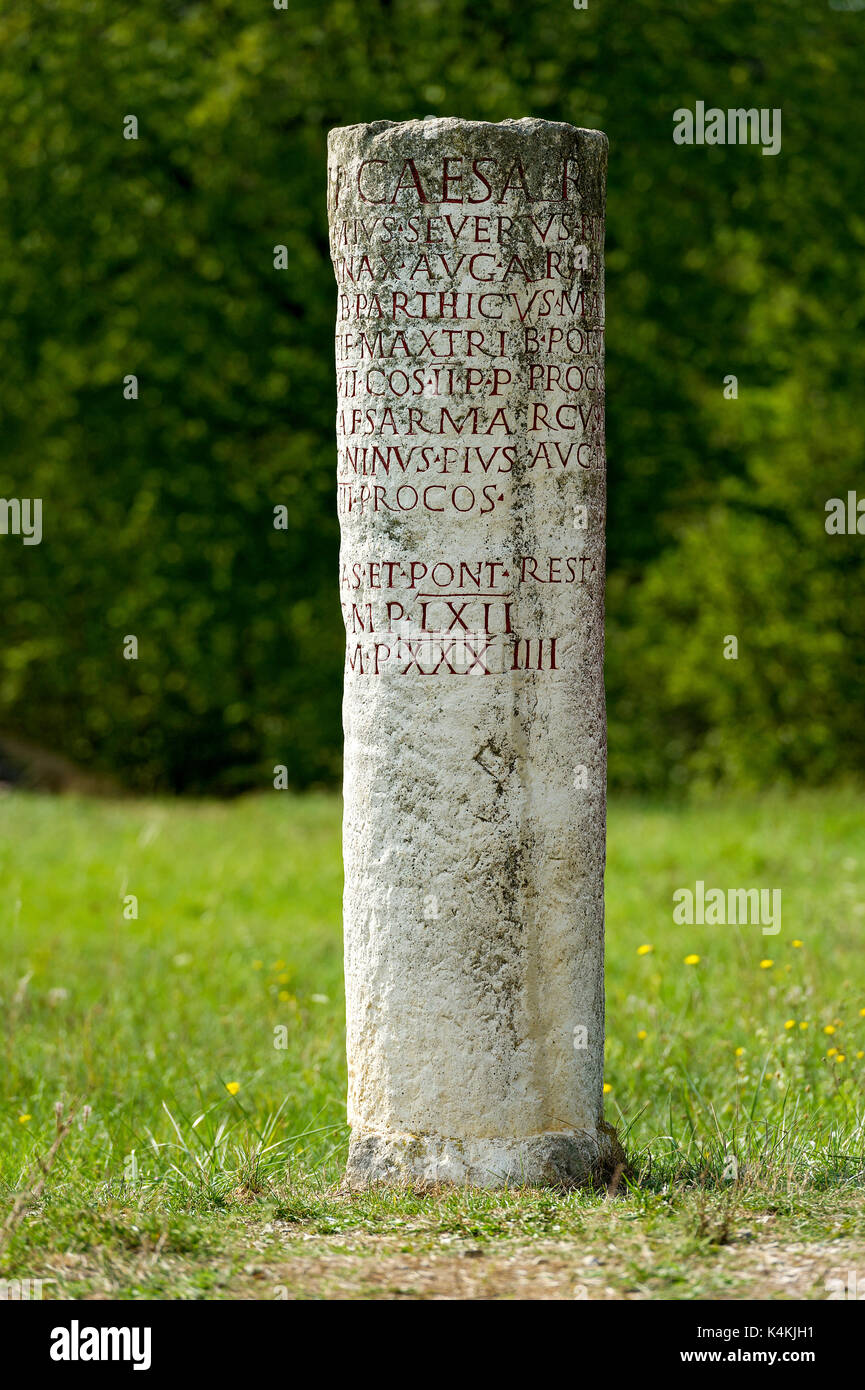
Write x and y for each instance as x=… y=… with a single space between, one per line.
x=201 y=1043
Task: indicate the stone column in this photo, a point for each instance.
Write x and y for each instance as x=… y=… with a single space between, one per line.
x=471 y=497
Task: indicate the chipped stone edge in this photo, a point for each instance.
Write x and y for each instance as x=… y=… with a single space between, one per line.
x=553 y=1159
x=475 y=125
x=523 y=125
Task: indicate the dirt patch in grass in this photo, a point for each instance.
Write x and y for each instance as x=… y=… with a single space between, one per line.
x=280 y=1261
x=365 y=1266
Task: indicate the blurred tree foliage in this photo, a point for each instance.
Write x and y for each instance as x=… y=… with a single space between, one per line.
x=154 y=257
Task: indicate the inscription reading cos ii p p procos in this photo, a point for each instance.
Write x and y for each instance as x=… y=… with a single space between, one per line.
x=470 y=387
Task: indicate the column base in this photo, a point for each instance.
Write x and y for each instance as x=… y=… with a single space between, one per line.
x=553 y=1159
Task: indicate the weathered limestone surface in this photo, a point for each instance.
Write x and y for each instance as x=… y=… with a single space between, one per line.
x=471 y=485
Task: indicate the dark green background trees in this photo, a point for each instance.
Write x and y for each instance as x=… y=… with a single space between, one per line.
x=155 y=257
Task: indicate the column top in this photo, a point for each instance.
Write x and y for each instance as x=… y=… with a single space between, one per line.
x=524 y=125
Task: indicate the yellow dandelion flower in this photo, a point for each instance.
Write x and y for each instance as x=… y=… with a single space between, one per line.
x=642 y=1035
x=607 y=1088
x=692 y=960
x=644 y=951
x=860 y=1055
x=24 y=1119
x=766 y=964
x=831 y=1051
x=840 y=1057
x=791 y=1023
x=804 y=1025
x=278 y=965
x=862 y=1013
x=829 y=1028
x=740 y=1051
x=282 y=979
x=283 y=996
x=232 y=1087
x=796 y=943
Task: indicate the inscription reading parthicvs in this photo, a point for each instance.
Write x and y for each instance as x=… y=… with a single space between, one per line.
x=471 y=496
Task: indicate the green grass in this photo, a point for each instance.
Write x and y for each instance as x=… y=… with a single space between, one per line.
x=168 y=1185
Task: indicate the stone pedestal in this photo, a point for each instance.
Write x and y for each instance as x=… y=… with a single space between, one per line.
x=471 y=495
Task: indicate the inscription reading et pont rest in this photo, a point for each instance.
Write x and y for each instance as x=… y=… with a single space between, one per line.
x=460 y=622
x=474 y=355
